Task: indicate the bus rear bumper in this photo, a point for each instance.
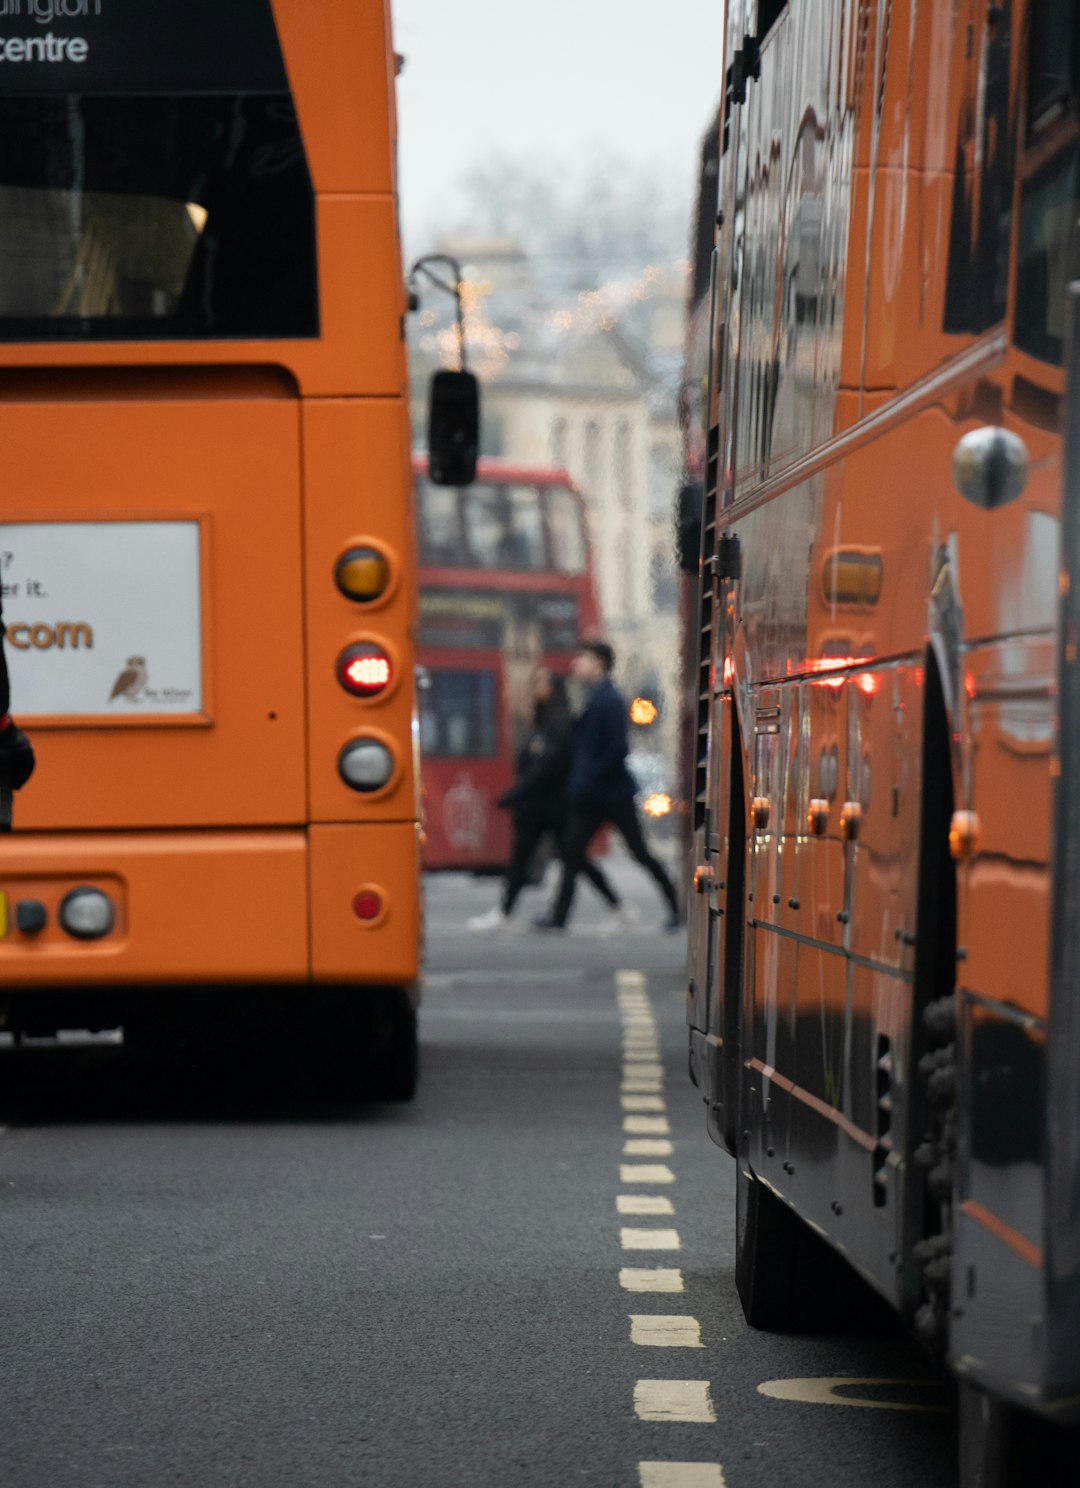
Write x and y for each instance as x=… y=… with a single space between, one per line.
x=228 y=907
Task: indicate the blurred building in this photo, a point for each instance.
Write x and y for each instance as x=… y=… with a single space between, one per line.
x=589 y=383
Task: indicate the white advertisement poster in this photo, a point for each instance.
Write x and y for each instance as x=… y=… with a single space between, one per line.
x=102 y=617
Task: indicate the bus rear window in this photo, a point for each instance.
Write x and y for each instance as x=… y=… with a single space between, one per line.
x=457 y=718
x=154 y=217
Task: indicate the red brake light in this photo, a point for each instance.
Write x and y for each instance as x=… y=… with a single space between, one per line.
x=367 y=905
x=364 y=670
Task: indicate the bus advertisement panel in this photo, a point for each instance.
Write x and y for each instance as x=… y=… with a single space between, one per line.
x=884 y=1010
x=207 y=545
x=506 y=584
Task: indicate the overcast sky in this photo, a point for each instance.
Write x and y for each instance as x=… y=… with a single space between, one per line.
x=551 y=80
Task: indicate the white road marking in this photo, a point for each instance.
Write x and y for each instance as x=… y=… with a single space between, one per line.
x=648 y=1147
x=651 y=1279
x=673 y=1400
x=644 y=1071
x=681 y=1475
x=643 y=1103
x=645 y=1173
x=653 y=1330
x=634 y=1085
x=629 y=979
x=822 y=1391
x=649 y=1239
x=643 y=1204
x=657 y=1126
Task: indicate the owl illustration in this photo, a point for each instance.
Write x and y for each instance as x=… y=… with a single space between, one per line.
x=131 y=680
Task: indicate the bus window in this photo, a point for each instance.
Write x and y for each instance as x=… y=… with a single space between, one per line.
x=1055 y=42
x=457 y=718
x=1049 y=256
x=567 y=536
x=440 y=524
x=504 y=527
x=149 y=217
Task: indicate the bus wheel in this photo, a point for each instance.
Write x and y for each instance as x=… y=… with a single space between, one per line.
x=394 y=1053
x=984 y=1440
x=766 y=1242
x=787 y=1277
x=1002 y=1446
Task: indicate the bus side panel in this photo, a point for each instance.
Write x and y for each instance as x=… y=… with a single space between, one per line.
x=191 y=907
x=357 y=491
x=344 y=861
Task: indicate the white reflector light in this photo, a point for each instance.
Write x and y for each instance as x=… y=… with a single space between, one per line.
x=365 y=764
x=87 y=913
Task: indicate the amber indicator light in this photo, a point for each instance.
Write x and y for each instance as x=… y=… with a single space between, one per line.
x=362 y=574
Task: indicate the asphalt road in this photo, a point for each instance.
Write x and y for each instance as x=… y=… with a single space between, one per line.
x=223 y=1272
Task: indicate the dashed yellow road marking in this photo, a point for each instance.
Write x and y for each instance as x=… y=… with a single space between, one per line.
x=643 y=1204
x=639 y=1069
x=651 y=1279
x=658 y=1126
x=643 y=1103
x=645 y=1173
x=648 y=1147
x=823 y=1392
x=653 y=1330
x=681 y=1475
x=630 y=979
x=673 y=1400
x=634 y=1086
x=649 y=1239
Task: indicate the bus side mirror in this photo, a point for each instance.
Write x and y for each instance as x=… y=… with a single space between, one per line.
x=453 y=428
x=688 y=523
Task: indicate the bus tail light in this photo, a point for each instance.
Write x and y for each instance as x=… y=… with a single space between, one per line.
x=87 y=913
x=368 y=905
x=362 y=574
x=365 y=765
x=364 y=669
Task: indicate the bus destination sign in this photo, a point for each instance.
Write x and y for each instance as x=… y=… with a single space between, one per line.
x=138 y=47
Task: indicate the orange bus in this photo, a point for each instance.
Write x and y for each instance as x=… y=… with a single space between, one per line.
x=207 y=540
x=884 y=959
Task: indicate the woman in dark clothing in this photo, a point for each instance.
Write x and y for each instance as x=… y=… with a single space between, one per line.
x=538 y=800
x=16 y=752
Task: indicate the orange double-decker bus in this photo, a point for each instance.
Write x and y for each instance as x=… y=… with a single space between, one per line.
x=884 y=995
x=207 y=538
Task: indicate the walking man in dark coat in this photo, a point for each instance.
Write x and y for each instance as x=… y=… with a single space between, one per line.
x=601 y=788
x=538 y=801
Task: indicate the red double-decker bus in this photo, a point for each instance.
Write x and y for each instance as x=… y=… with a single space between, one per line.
x=506 y=585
